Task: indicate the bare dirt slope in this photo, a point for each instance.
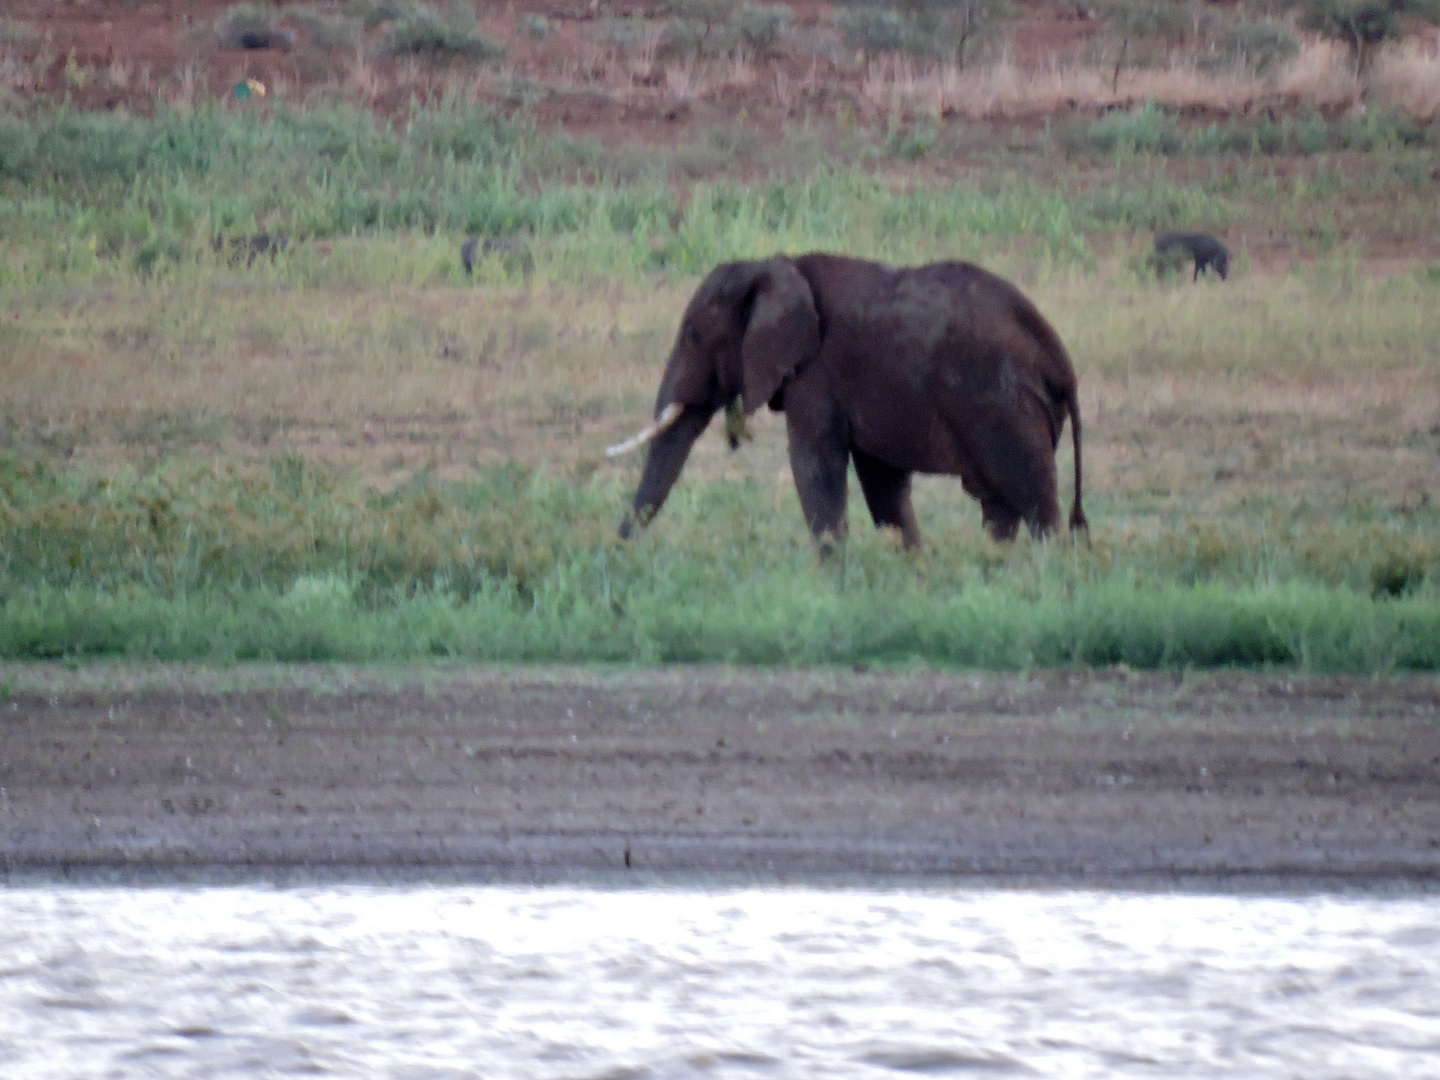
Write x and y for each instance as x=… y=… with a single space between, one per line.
x=539 y=774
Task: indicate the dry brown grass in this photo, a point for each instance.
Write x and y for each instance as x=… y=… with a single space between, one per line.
x=1319 y=76
x=1408 y=77
x=1262 y=392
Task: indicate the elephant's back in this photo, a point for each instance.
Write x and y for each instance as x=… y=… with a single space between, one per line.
x=927 y=320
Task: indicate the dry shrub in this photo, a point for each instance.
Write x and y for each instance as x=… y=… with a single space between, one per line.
x=685 y=82
x=1321 y=74
x=1183 y=84
x=1006 y=89
x=361 y=79
x=18 y=76
x=696 y=80
x=187 y=84
x=1408 y=77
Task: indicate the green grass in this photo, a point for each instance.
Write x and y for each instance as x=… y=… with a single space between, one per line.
x=302 y=565
x=795 y=619
x=86 y=194
x=1234 y=523
x=86 y=188
x=1152 y=129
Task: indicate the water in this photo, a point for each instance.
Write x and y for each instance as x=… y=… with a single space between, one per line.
x=495 y=982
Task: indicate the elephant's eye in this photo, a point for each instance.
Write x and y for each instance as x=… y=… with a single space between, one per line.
x=692 y=336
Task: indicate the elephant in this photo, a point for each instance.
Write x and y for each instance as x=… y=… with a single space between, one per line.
x=945 y=369
x=1202 y=247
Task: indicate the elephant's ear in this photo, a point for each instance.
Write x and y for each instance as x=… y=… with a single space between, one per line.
x=783 y=333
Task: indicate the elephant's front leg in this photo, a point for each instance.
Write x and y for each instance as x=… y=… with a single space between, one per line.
x=819 y=459
x=887 y=494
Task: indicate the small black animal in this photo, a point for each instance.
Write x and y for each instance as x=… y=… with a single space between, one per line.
x=250 y=248
x=259 y=38
x=511 y=249
x=1202 y=247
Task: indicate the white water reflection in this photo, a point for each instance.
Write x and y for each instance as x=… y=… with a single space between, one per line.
x=543 y=983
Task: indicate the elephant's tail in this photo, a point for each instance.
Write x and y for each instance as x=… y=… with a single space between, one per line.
x=1060 y=383
x=1072 y=402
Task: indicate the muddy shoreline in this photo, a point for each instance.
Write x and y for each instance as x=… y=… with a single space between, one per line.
x=290 y=774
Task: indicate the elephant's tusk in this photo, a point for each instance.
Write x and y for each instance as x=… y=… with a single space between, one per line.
x=670 y=414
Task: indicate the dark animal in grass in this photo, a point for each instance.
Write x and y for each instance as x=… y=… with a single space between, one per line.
x=513 y=252
x=265 y=39
x=1202 y=247
x=942 y=369
x=251 y=248
x=245 y=32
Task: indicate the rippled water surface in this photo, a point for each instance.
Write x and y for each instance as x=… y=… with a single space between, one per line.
x=765 y=982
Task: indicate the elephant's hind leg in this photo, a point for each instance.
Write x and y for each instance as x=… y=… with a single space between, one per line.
x=1017 y=462
x=1001 y=521
x=887 y=494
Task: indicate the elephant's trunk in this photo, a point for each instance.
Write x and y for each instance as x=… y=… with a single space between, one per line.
x=666 y=457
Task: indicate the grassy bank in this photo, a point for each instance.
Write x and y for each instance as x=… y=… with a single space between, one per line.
x=301 y=564
x=351 y=452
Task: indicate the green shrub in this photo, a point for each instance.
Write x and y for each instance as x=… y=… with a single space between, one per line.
x=160 y=247
x=1171 y=264
x=1159 y=205
x=535 y=26
x=421 y=30
x=1150 y=129
x=465 y=130
x=1381 y=128
x=1262 y=45
x=67 y=146
x=934 y=28
x=871 y=30
x=760 y=27
x=911 y=141
x=1398 y=570
x=625 y=35
x=326 y=31
x=371 y=13
x=701 y=28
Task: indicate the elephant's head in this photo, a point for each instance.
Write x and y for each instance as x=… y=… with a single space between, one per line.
x=748 y=327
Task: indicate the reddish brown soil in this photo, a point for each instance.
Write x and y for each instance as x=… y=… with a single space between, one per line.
x=1101 y=777
x=159 y=44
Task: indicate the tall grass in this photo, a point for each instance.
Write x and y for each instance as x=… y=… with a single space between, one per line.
x=83 y=188
x=85 y=194
x=299 y=564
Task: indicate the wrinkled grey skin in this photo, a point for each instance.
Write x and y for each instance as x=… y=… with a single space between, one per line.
x=943 y=369
x=1202 y=247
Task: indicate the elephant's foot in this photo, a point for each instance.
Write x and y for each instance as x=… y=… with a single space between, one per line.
x=1001 y=522
x=830 y=543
